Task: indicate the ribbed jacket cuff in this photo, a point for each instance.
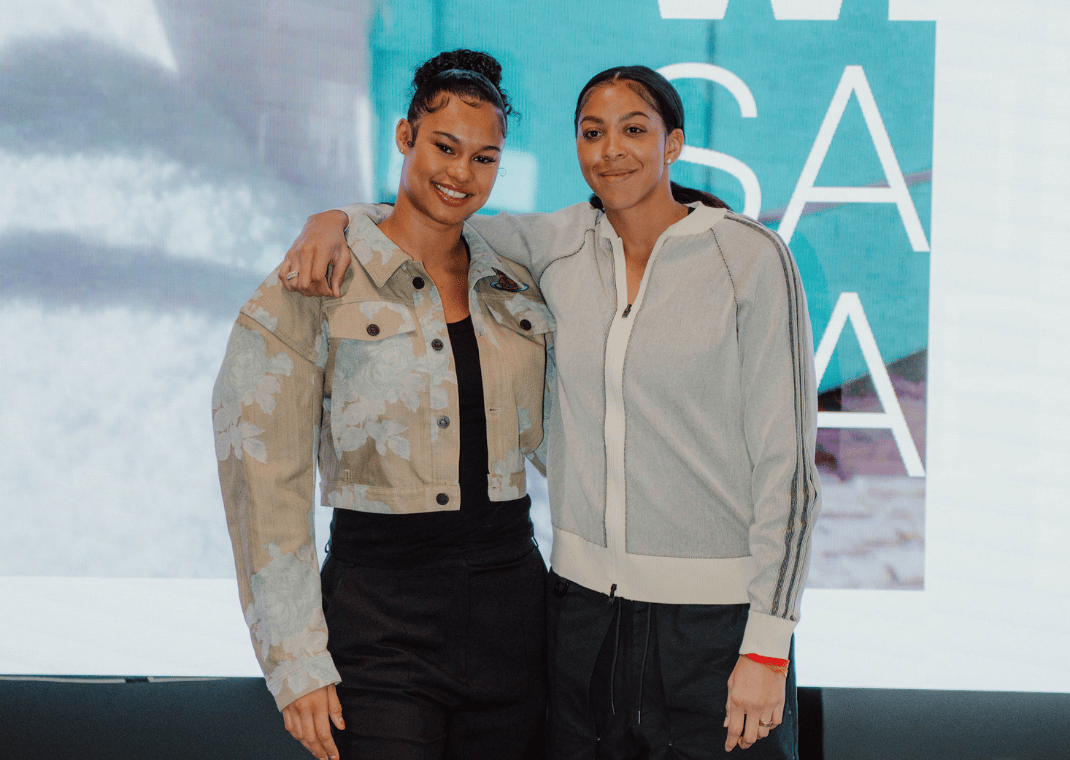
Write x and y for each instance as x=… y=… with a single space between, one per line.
x=767 y=635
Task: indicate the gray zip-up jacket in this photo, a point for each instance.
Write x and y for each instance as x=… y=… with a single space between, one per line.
x=681 y=429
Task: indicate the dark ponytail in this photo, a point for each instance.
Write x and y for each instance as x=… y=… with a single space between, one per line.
x=468 y=74
x=680 y=194
x=659 y=93
x=683 y=194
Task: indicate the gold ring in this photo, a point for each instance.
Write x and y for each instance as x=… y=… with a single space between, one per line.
x=763 y=724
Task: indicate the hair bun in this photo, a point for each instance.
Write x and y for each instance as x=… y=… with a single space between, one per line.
x=472 y=75
x=465 y=60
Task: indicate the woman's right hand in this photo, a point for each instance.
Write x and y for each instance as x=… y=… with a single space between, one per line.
x=319 y=252
x=308 y=720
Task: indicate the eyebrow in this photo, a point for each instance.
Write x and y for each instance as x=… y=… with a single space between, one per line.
x=454 y=139
x=625 y=117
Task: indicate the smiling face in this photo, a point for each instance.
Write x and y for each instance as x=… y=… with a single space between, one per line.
x=451 y=159
x=622 y=147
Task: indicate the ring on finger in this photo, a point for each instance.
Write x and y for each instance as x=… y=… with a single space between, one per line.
x=291 y=275
x=764 y=724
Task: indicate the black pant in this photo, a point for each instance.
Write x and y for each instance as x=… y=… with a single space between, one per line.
x=440 y=660
x=636 y=680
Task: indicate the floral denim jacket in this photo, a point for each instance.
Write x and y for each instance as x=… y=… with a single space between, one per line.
x=366 y=383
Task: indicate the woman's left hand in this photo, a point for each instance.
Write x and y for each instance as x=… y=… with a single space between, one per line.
x=755 y=696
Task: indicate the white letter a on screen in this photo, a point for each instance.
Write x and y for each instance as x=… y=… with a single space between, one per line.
x=849 y=309
x=854 y=80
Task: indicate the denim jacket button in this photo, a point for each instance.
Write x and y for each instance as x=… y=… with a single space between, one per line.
x=373 y=330
x=525 y=324
x=443 y=422
x=443 y=499
x=418 y=282
x=437 y=344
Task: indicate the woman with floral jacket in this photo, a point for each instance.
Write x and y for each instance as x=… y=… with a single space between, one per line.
x=419 y=391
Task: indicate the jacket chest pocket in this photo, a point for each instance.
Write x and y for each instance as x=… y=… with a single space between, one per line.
x=377 y=378
x=523 y=316
x=524 y=328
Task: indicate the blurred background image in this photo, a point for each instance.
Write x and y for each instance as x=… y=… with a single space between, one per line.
x=157 y=158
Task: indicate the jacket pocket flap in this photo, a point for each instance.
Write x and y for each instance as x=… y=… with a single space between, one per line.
x=522 y=315
x=369 y=320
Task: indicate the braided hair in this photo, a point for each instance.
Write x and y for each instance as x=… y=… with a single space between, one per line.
x=468 y=74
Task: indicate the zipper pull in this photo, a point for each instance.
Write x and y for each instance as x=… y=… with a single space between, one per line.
x=612 y=593
x=627 y=311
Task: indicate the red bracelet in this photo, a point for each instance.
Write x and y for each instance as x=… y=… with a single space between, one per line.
x=775 y=664
x=766 y=660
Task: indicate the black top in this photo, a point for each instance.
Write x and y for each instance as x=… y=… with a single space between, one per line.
x=366 y=538
x=472 y=464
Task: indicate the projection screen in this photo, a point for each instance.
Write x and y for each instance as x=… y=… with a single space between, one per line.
x=157 y=159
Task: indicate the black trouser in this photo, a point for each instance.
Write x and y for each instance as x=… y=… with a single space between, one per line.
x=640 y=680
x=440 y=660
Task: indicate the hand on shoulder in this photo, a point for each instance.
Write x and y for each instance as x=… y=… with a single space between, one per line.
x=317 y=261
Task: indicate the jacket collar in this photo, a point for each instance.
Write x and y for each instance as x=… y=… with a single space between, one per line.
x=700 y=220
x=380 y=257
x=377 y=253
x=486 y=263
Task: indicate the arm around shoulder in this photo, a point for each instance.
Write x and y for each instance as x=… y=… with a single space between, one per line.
x=317 y=261
x=534 y=240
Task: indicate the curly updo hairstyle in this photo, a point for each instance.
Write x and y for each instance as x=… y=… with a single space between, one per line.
x=468 y=74
x=659 y=93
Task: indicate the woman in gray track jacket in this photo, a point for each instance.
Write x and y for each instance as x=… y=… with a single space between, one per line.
x=680 y=428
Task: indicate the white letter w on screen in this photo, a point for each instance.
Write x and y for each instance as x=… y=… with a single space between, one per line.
x=783 y=10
